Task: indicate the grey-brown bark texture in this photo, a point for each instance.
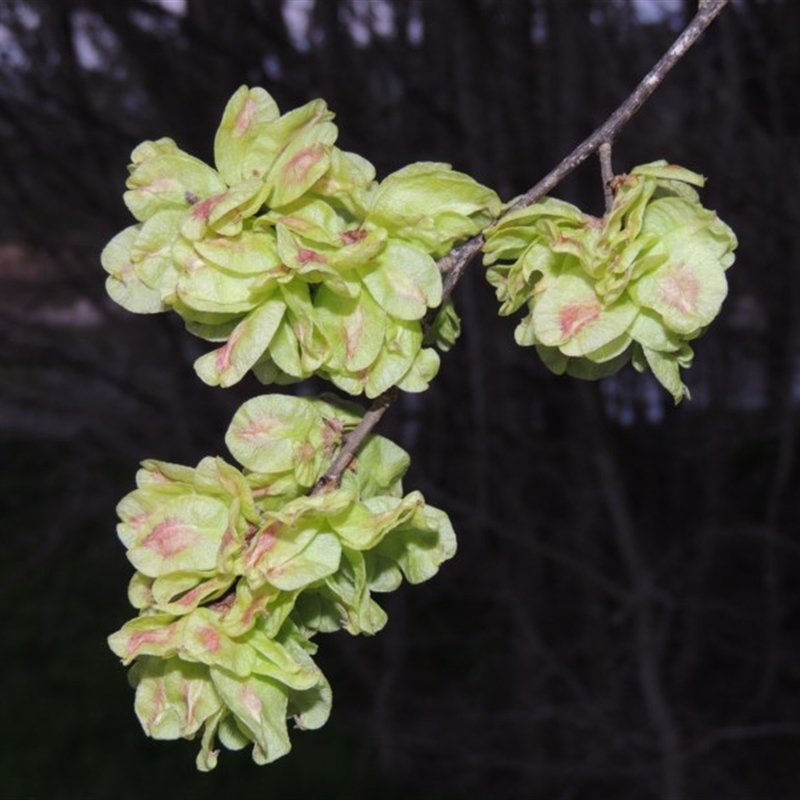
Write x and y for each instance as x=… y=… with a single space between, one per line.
x=621 y=619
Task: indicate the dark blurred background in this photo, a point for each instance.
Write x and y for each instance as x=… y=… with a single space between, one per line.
x=621 y=618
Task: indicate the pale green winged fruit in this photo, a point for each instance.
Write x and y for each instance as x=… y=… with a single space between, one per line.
x=636 y=285
x=289 y=255
x=238 y=569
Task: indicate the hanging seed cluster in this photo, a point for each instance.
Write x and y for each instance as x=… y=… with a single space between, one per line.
x=637 y=285
x=289 y=255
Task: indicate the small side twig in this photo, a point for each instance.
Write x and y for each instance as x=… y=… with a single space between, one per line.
x=453 y=265
x=354 y=440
